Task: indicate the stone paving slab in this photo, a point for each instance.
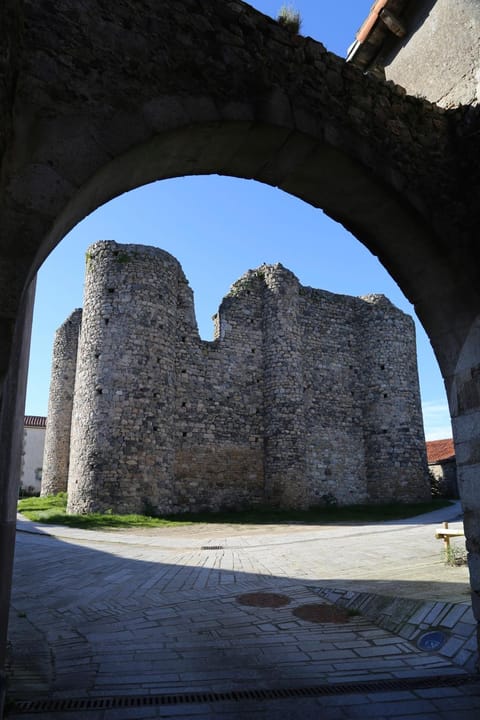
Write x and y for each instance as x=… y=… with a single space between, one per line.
x=400 y=557
x=95 y=616
x=209 y=641
x=452 y=624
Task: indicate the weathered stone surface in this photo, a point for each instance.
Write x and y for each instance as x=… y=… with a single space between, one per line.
x=444 y=36
x=304 y=397
x=122 y=424
x=60 y=402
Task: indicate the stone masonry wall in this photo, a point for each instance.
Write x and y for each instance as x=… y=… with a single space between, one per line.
x=123 y=420
x=60 y=403
x=333 y=398
x=303 y=398
x=283 y=390
x=219 y=409
x=392 y=420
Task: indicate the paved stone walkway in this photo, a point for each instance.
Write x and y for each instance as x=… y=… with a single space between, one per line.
x=116 y=615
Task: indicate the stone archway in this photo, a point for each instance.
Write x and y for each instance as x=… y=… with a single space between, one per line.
x=98 y=102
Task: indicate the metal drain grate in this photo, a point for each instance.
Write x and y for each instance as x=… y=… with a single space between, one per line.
x=106 y=703
x=212 y=547
x=263 y=600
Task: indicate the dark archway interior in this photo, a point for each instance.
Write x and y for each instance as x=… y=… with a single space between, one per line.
x=321 y=175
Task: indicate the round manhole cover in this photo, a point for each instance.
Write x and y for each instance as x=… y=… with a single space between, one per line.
x=432 y=640
x=263 y=599
x=320 y=613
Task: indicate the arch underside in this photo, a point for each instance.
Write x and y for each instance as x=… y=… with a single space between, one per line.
x=312 y=169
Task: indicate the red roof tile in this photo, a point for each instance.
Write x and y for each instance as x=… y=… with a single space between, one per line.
x=372 y=18
x=438 y=450
x=385 y=17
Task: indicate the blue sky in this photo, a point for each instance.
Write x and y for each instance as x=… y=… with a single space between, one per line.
x=219 y=227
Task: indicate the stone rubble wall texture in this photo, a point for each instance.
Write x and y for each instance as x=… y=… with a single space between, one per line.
x=123 y=420
x=303 y=398
x=217 y=61
x=60 y=402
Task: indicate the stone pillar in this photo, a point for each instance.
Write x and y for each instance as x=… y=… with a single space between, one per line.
x=468 y=476
x=60 y=402
x=464 y=399
x=395 y=454
x=122 y=445
x=284 y=434
x=12 y=408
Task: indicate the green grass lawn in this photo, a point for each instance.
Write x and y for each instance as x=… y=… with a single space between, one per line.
x=52 y=510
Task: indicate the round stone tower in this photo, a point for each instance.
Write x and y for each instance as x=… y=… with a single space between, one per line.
x=60 y=402
x=122 y=447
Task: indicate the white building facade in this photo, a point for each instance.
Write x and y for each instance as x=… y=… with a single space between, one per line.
x=32 y=459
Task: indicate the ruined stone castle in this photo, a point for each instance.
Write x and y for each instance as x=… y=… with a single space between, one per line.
x=303 y=398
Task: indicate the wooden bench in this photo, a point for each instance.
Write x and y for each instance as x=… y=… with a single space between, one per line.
x=445 y=533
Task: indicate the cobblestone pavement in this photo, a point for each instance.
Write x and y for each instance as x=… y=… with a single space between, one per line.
x=119 y=617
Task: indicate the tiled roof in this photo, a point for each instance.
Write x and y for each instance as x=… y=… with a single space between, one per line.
x=385 y=19
x=439 y=450
x=38 y=421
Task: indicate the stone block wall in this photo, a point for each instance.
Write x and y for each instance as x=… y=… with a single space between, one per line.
x=392 y=418
x=219 y=408
x=56 y=454
x=123 y=421
x=333 y=386
x=303 y=398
